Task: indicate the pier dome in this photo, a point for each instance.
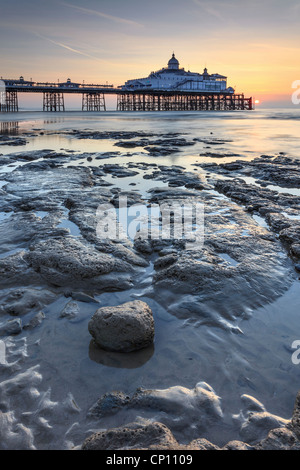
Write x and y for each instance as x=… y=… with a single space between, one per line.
x=173 y=63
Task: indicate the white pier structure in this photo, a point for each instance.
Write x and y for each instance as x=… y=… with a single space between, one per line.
x=174 y=78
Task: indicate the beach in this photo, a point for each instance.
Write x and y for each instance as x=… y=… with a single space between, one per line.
x=225 y=313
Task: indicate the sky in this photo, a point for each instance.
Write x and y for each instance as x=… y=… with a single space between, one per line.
x=256 y=43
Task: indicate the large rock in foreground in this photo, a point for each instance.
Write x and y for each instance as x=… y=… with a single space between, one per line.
x=123 y=328
x=142 y=435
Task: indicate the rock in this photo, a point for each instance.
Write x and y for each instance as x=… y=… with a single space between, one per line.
x=144 y=434
x=183 y=410
x=237 y=445
x=291 y=235
x=11 y=327
x=279 y=439
x=232 y=166
x=13 y=141
x=295 y=250
x=14 y=272
x=118 y=170
x=252 y=404
x=159 y=195
x=257 y=425
x=124 y=328
x=256 y=422
x=35 y=321
x=254 y=196
x=296 y=416
x=127 y=144
x=165 y=261
x=282 y=171
x=201 y=444
x=21 y=301
x=143 y=246
x=70 y=310
x=109 y=404
x=233 y=264
x=132 y=436
x=69 y=262
x=277 y=221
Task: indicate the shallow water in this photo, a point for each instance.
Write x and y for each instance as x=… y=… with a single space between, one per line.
x=253 y=359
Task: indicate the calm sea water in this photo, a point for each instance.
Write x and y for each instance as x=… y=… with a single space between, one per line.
x=249 y=133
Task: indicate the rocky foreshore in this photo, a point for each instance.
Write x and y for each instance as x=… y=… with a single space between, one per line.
x=57 y=274
x=145 y=435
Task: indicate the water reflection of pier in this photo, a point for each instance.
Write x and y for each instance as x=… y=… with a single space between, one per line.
x=9 y=128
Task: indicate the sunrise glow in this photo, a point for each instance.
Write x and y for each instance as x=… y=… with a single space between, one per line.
x=114 y=41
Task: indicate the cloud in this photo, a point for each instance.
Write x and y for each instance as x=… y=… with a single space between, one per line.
x=88 y=11
x=207 y=7
x=64 y=46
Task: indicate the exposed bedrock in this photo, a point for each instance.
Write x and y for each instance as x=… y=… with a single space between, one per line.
x=20 y=301
x=176 y=176
x=239 y=267
x=12 y=140
x=259 y=429
x=281 y=170
x=11 y=327
x=240 y=261
x=255 y=421
x=255 y=198
x=69 y=262
x=38 y=188
x=184 y=410
x=281 y=211
x=145 y=435
x=114 y=135
x=22 y=228
x=141 y=435
x=118 y=171
x=51 y=239
x=156 y=144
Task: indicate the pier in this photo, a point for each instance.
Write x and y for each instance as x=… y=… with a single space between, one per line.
x=145 y=99
x=93 y=98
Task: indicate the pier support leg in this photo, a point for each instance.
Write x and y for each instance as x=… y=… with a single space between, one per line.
x=53 y=102
x=119 y=103
x=93 y=102
x=10 y=102
x=131 y=101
